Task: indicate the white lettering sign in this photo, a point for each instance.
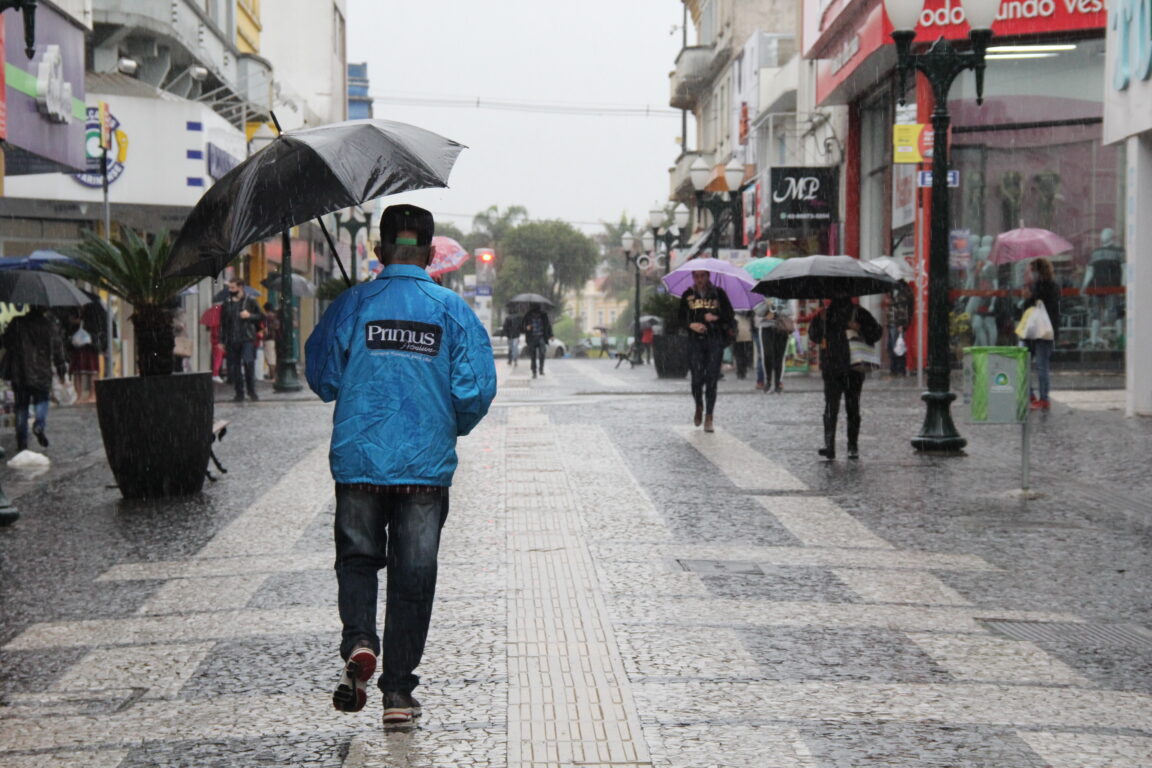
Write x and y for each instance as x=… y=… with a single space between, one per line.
x=797 y=189
x=1131 y=20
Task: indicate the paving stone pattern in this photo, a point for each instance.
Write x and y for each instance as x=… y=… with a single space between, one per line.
x=616 y=589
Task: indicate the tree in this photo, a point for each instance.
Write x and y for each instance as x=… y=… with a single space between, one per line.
x=618 y=271
x=545 y=257
x=496 y=225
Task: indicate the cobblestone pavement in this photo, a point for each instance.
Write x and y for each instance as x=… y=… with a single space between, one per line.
x=617 y=589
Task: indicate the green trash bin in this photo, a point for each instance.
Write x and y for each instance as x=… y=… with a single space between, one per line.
x=996 y=384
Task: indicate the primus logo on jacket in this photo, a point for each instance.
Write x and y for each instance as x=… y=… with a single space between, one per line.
x=404 y=336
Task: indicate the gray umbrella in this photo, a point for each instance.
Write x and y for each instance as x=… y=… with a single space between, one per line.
x=302 y=175
x=823 y=277
x=39 y=288
x=300 y=284
x=529 y=298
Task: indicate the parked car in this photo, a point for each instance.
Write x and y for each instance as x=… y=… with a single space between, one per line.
x=556 y=348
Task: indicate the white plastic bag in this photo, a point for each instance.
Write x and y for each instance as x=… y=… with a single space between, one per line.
x=81 y=338
x=29 y=460
x=1039 y=325
x=899 y=349
x=63 y=392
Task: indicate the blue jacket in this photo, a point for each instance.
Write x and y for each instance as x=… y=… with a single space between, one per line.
x=410 y=368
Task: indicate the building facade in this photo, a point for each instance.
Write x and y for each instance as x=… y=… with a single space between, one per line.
x=1032 y=156
x=359 y=100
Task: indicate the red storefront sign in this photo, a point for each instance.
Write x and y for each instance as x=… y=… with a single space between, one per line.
x=847 y=32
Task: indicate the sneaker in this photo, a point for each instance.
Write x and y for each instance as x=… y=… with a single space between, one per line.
x=217 y=379
x=759 y=385
x=1044 y=406
x=400 y=709
x=38 y=430
x=253 y=396
x=699 y=416
x=351 y=692
x=828 y=453
x=708 y=423
x=1036 y=405
x=853 y=452
x=238 y=399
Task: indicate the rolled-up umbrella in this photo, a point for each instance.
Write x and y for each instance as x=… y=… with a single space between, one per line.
x=42 y=289
x=303 y=175
x=735 y=281
x=823 y=277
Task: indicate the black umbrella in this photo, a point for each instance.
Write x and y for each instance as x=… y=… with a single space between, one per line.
x=300 y=284
x=529 y=298
x=822 y=277
x=42 y=289
x=303 y=175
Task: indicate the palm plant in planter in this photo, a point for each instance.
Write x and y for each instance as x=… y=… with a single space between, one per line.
x=157 y=427
x=670 y=349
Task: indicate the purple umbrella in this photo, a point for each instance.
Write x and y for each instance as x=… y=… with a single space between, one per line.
x=735 y=282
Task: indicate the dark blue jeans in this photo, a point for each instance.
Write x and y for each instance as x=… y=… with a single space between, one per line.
x=1041 y=350
x=402 y=532
x=705 y=354
x=537 y=350
x=26 y=396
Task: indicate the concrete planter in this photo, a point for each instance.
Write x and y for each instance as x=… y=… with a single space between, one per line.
x=670 y=355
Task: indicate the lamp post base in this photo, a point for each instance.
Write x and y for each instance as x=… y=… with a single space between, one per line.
x=938 y=435
x=287 y=379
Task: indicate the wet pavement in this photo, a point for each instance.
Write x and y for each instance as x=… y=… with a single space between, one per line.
x=617 y=588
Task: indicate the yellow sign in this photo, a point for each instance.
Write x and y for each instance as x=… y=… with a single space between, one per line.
x=105 y=125
x=911 y=143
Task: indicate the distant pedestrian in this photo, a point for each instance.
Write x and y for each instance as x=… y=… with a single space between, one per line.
x=1042 y=287
x=647 y=338
x=84 y=336
x=33 y=348
x=537 y=333
x=181 y=342
x=511 y=332
x=829 y=330
x=898 y=319
x=240 y=321
x=271 y=338
x=410 y=368
x=706 y=312
x=774 y=328
x=210 y=319
x=742 y=349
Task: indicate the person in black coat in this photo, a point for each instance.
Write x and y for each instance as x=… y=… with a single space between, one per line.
x=240 y=320
x=829 y=330
x=706 y=312
x=33 y=348
x=1043 y=288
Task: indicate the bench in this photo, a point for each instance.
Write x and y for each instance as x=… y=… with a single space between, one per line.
x=219 y=429
x=629 y=355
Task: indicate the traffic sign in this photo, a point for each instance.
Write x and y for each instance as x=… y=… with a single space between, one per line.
x=483 y=290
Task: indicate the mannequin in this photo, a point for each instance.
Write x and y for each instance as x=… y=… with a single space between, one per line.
x=982 y=309
x=1105 y=270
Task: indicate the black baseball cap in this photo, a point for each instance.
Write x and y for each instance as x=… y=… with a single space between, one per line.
x=406 y=218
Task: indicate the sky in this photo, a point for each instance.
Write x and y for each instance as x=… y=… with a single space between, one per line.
x=581 y=168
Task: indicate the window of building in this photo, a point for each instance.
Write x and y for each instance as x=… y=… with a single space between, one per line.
x=875 y=164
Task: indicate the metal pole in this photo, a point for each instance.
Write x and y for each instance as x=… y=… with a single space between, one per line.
x=637 y=354
x=107 y=236
x=287 y=379
x=1025 y=449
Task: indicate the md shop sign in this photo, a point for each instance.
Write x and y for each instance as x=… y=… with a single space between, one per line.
x=804 y=196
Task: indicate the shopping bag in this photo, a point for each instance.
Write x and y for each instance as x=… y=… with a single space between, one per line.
x=182 y=347
x=900 y=348
x=1035 y=324
x=81 y=338
x=63 y=392
x=863 y=356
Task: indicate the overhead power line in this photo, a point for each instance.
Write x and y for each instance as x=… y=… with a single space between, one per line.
x=538 y=107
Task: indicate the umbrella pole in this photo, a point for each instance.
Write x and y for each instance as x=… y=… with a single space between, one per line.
x=332 y=246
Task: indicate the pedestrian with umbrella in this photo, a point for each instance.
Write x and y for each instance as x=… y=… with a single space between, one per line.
x=33 y=347
x=706 y=312
x=537 y=333
x=839 y=278
x=410 y=368
x=1042 y=290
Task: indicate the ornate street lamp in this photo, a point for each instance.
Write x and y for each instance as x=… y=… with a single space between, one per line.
x=639 y=261
x=941 y=64
x=28 y=8
x=717 y=202
x=670 y=236
x=354 y=220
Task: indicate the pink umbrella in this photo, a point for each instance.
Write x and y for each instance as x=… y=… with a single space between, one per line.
x=1029 y=243
x=448 y=256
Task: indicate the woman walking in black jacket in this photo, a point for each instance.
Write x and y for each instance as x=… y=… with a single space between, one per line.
x=829 y=330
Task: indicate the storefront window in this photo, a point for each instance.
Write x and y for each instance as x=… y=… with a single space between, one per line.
x=1032 y=157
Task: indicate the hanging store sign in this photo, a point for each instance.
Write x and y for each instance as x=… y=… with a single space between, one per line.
x=912 y=143
x=805 y=195
x=1128 y=70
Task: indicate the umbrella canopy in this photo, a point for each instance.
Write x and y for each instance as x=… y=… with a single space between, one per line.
x=42 y=289
x=760 y=267
x=822 y=277
x=35 y=260
x=735 y=282
x=1029 y=243
x=448 y=256
x=222 y=295
x=301 y=286
x=895 y=268
x=530 y=298
x=304 y=174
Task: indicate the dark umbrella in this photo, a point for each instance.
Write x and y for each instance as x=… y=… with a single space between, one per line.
x=302 y=175
x=42 y=289
x=300 y=285
x=822 y=277
x=529 y=298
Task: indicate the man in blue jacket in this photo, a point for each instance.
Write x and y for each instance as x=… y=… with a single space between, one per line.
x=411 y=369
